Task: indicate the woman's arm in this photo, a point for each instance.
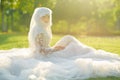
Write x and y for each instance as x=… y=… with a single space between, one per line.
x=42 y=45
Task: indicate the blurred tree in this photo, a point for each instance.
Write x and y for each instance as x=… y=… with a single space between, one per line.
x=77 y=16
x=2 y=15
x=7 y=9
x=117 y=13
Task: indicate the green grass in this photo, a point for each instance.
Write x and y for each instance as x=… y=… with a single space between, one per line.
x=111 y=44
x=8 y=41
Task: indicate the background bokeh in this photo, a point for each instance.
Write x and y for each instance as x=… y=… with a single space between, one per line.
x=83 y=17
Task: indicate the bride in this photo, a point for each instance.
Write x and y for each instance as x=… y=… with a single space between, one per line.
x=68 y=59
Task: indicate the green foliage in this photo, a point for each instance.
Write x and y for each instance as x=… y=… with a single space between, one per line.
x=85 y=17
x=60 y=27
x=63 y=27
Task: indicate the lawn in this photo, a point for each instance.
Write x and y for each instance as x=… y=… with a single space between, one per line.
x=111 y=44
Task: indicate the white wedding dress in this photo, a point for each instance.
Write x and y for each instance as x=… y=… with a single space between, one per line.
x=76 y=62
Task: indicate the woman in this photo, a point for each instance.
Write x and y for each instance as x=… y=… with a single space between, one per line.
x=40 y=36
x=40 y=33
x=68 y=59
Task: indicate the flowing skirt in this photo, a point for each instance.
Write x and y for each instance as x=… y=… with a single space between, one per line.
x=76 y=62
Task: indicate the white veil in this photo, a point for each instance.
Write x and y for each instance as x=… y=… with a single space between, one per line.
x=39 y=12
x=37 y=26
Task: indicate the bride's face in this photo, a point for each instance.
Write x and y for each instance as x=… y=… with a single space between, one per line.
x=45 y=18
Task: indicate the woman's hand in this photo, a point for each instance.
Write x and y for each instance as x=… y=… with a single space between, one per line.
x=58 y=48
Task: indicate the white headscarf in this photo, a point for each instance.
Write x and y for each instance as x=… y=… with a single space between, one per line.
x=37 y=26
x=39 y=12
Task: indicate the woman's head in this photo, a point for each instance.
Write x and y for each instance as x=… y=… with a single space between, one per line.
x=42 y=16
